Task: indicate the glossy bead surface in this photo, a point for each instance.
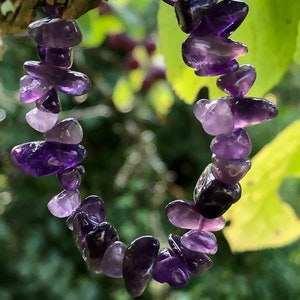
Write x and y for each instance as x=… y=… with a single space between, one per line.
x=40 y=120
x=50 y=102
x=70 y=179
x=59 y=57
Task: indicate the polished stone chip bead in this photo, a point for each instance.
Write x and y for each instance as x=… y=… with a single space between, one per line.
x=70 y=179
x=170 y=2
x=50 y=102
x=185 y=215
x=251 y=111
x=189 y=12
x=64 y=204
x=200 y=241
x=238 y=83
x=68 y=82
x=213 y=197
x=234 y=145
x=112 y=261
x=67 y=131
x=196 y=262
x=55 y=33
x=230 y=171
x=170 y=269
x=42 y=158
x=139 y=261
x=215 y=116
x=32 y=89
x=40 y=120
x=223 y=18
x=218 y=68
x=59 y=57
x=97 y=242
x=93 y=208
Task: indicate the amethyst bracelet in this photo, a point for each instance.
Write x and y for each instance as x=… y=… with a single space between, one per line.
x=210 y=52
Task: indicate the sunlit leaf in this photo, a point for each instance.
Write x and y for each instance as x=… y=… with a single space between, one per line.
x=123 y=95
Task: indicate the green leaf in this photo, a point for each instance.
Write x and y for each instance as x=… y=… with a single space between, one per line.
x=123 y=95
x=261 y=219
x=297 y=52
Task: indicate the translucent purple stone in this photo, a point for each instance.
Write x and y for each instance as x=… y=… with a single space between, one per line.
x=139 y=261
x=215 y=116
x=251 y=111
x=200 y=241
x=112 y=261
x=185 y=215
x=234 y=145
x=70 y=179
x=170 y=2
x=170 y=269
x=97 y=242
x=64 y=204
x=50 y=102
x=223 y=18
x=69 y=82
x=211 y=55
x=55 y=33
x=230 y=171
x=59 y=57
x=41 y=120
x=213 y=197
x=32 y=89
x=45 y=158
x=67 y=131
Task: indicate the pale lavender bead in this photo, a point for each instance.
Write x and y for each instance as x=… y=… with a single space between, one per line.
x=64 y=204
x=237 y=83
x=185 y=215
x=215 y=116
x=67 y=131
x=112 y=261
x=200 y=241
x=32 y=89
x=235 y=145
x=40 y=120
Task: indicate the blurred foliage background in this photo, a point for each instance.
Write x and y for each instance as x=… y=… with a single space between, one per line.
x=145 y=149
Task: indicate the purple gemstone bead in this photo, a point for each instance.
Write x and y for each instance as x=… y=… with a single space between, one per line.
x=64 y=204
x=170 y=2
x=32 y=89
x=197 y=262
x=213 y=197
x=112 y=261
x=218 y=68
x=238 y=83
x=97 y=242
x=200 y=241
x=67 y=131
x=41 y=120
x=70 y=179
x=251 y=111
x=59 y=57
x=169 y=268
x=50 y=102
x=211 y=52
x=230 y=171
x=55 y=33
x=215 y=116
x=45 y=158
x=234 y=145
x=223 y=18
x=139 y=261
x=69 y=82
x=185 y=215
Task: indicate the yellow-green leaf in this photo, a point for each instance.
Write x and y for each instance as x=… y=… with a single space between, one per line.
x=261 y=219
x=123 y=95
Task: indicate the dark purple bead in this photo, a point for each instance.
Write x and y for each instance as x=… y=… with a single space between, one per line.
x=69 y=82
x=55 y=33
x=218 y=68
x=197 y=262
x=50 y=102
x=170 y=2
x=223 y=18
x=97 y=242
x=170 y=269
x=70 y=179
x=45 y=158
x=213 y=197
x=59 y=57
x=237 y=83
x=234 y=145
x=139 y=261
